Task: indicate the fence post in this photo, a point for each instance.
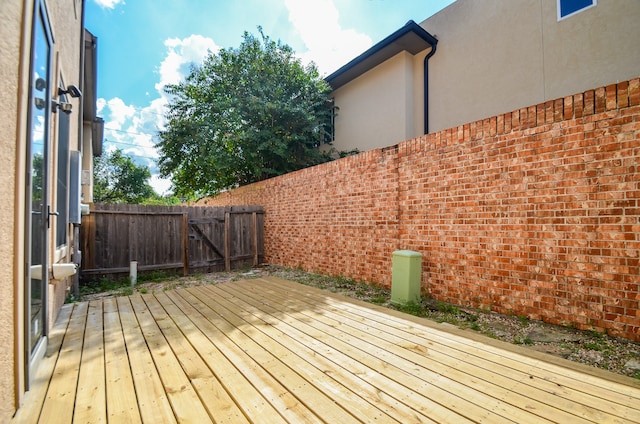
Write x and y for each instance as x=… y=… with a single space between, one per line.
x=185 y=244
x=254 y=237
x=227 y=247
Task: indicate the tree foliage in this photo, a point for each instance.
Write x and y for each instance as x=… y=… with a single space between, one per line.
x=244 y=115
x=117 y=179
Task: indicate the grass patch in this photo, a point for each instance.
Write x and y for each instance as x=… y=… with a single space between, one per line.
x=379 y=300
x=447 y=308
x=104 y=285
x=412 y=308
x=523 y=341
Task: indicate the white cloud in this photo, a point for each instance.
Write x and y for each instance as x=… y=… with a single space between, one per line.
x=330 y=46
x=118 y=111
x=108 y=4
x=181 y=54
x=160 y=185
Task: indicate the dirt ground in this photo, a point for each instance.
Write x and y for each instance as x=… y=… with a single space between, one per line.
x=587 y=347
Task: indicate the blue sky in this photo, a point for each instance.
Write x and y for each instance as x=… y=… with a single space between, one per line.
x=145 y=44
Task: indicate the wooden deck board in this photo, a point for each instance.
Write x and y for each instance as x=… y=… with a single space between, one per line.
x=61 y=394
x=91 y=405
x=273 y=351
x=122 y=407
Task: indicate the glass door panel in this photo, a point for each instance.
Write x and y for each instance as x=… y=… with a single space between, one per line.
x=37 y=167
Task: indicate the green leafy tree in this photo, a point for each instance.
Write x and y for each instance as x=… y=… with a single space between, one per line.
x=117 y=179
x=244 y=115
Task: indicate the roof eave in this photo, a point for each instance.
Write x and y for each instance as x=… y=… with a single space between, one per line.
x=411 y=37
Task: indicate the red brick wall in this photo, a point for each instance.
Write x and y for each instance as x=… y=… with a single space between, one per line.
x=534 y=212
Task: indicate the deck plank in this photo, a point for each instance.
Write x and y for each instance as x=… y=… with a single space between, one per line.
x=244 y=381
x=389 y=379
x=90 y=405
x=61 y=394
x=566 y=374
x=513 y=387
x=582 y=394
x=299 y=388
x=121 y=402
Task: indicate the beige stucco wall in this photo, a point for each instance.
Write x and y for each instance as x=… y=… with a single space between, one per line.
x=493 y=56
x=10 y=88
x=363 y=121
x=496 y=56
x=15 y=43
x=599 y=46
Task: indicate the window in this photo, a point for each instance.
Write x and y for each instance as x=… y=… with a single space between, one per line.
x=330 y=124
x=568 y=8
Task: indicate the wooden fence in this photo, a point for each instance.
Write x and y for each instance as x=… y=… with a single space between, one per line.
x=170 y=238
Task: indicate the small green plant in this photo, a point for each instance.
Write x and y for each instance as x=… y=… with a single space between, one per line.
x=523 y=320
x=103 y=285
x=595 y=334
x=378 y=300
x=143 y=290
x=412 y=307
x=126 y=291
x=475 y=326
x=523 y=341
x=447 y=308
x=598 y=345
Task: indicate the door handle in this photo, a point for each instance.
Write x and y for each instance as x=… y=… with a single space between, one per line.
x=49 y=213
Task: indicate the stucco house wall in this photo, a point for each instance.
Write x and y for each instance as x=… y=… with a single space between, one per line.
x=367 y=123
x=497 y=56
x=492 y=57
x=11 y=47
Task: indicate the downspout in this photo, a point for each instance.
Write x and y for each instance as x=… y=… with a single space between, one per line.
x=77 y=255
x=426 y=86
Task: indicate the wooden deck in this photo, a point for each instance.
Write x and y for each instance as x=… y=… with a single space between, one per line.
x=273 y=351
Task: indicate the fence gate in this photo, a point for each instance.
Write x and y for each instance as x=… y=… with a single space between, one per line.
x=194 y=239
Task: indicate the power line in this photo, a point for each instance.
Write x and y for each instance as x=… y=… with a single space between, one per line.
x=127 y=144
x=128 y=132
x=132 y=154
x=137 y=108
